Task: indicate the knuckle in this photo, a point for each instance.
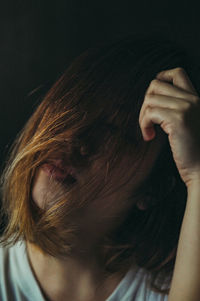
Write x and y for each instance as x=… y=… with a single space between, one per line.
x=148 y=109
x=180 y=70
x=186 y=106
x=154 y=83
x=148 y=98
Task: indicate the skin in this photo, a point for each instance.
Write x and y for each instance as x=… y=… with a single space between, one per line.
x=172 y=102
x=82 y=271
x=185 y=284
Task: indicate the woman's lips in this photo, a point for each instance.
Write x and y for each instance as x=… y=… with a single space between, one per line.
x=57 y=172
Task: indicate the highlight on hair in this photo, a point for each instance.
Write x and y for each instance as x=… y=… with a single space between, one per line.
x=89 y=119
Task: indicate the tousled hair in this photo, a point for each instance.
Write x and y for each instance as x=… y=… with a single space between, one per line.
x=89 y=118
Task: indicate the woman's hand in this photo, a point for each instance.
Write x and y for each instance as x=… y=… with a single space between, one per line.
x=172 y=102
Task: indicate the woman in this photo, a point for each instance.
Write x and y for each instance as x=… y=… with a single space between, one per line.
x=95 y=186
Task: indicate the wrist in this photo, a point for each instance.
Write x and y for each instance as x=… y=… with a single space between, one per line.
x=195 y=182
x=193 y=190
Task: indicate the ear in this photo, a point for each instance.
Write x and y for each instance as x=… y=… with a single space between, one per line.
x=147 y=202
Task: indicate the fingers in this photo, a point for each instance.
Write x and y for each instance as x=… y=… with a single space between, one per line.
x=178 y=77
x=170 y=94
x=159 y=87
x=163 y=101
x=162 y=116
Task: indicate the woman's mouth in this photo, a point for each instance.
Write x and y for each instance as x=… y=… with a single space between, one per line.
x=58 y=173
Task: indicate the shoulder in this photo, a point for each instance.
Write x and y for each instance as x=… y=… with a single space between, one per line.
x=145 y=292
x=135 y=286
x=9 y=274
x=4 y=272
x=17 y=281
x=140 y=288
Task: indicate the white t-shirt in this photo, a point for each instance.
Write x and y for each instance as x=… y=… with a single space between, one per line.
x=18 y=283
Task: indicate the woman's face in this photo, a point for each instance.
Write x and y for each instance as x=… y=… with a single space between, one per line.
x=114 y=204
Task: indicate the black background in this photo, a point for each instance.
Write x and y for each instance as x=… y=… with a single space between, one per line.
x=38 y=40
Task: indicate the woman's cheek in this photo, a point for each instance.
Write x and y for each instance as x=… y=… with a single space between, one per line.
x=40 y=187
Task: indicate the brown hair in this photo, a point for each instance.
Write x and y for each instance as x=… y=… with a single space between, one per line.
x=89 y=118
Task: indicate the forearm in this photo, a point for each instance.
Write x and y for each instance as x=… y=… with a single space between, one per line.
x=185 y=284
